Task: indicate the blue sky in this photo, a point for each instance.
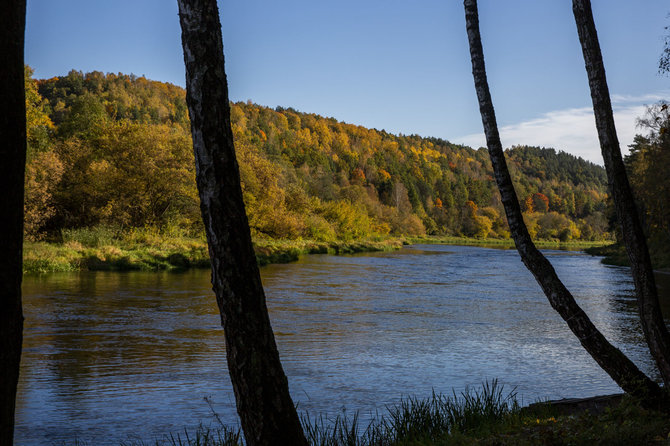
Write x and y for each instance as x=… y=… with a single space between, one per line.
x=394 y=65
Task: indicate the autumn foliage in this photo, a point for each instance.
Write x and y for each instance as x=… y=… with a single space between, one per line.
x=115 y=150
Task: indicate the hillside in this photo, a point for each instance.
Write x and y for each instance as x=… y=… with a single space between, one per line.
x=115 y=150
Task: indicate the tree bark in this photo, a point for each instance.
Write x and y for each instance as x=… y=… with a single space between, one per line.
x=622 y=370
x=655 y=330
x=12 y=168
x=264 y=404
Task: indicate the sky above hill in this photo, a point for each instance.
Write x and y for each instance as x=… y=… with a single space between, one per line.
x=394 y=65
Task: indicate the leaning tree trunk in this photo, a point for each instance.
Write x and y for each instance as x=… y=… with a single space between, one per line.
x=12 y=168
x=264 y=404
x=616 y=364
x=653 y=325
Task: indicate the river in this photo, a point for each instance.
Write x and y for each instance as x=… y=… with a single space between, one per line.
x=115 y=356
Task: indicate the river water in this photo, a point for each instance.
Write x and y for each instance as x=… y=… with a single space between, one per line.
x=115 y=356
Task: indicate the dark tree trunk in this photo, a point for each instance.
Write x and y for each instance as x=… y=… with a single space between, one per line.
x=264 y=404
x=653 y=325
x=12 y=168
x=615 y=363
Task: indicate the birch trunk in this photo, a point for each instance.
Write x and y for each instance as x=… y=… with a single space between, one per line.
x=616 y=364
x=264 y=404
x=655 y=331
x=12 y=168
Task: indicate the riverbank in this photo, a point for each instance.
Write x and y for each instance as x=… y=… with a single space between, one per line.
x=484 y=416
x=153 y=251
x=615 y=254
x=612 y=254
x=574 y=245
x=101 y=249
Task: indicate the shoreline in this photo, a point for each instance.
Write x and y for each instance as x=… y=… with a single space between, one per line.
x=615 y=254
x=179 y=254
x=573 y=245
x=164 y=253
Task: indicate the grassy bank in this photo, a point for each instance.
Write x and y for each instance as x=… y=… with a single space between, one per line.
x=105 y=249
x=284 y=251
x=506 y=243
x=483 y=416
x=149 y=249
x=615 y=253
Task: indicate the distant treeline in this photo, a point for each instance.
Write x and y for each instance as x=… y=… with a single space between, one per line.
x=115 y=150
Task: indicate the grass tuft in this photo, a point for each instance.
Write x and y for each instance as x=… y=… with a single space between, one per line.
x=203 y=436
x=486 y=415
x=420 y=421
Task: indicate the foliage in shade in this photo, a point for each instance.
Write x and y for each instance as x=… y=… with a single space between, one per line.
x=648 y=166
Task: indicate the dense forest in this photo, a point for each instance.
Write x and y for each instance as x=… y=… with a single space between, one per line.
x=648 y=166
x=115 y=150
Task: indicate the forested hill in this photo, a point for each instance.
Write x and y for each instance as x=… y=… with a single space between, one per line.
x=114 y=149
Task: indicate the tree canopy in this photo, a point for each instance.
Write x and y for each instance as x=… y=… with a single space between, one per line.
x=114 y=149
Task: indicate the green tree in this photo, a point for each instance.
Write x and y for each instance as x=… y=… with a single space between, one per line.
x=43 y=174
x=128 y=174
x=38 y=123
x=649 y=167
x=84 y=118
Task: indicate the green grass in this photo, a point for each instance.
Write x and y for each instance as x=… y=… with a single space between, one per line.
x=109 y=250
x=505 y=243
x=150 y=249
x=284 y=251
x=487 y=415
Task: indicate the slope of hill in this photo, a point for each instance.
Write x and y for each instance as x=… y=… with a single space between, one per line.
x=114 y=150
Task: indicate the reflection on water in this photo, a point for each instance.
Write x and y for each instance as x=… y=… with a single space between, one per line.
x=108 y=356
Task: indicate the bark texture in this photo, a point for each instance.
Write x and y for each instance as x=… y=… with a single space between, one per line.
x=614 y=362
x=267 y=413
x=12 y=168
x=655 y=331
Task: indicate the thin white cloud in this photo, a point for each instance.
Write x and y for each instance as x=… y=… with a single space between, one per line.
x=643 y=99
x=573 y=130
